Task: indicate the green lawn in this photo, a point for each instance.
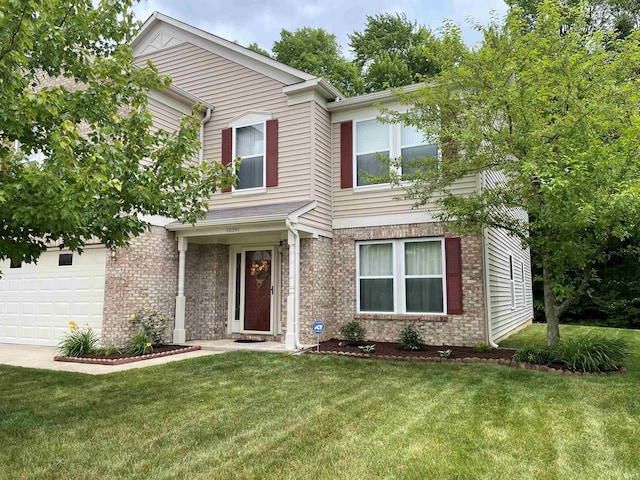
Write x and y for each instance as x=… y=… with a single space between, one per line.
x=257 y=415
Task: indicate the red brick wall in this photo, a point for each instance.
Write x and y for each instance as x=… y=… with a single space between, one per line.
x=465 y=329
x=141 y=275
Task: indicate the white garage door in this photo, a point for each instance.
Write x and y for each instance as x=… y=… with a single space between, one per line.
x=37 y=301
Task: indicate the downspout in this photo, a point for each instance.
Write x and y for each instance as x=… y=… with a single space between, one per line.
x=204 y=120
x=293 y=298
x=487 y=276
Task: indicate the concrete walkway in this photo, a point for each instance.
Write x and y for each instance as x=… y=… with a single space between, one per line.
x=42 y=357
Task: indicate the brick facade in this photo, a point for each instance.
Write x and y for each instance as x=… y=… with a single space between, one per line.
x=465 y=329
x=145 y=274
x=141 y=275
x=206 y=291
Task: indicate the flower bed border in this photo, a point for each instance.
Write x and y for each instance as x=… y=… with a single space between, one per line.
x=120 y=361
x=495 y=361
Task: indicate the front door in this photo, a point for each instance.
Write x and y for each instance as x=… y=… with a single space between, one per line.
x=258 y=289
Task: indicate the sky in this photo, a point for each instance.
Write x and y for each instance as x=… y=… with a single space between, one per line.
x=261 y=21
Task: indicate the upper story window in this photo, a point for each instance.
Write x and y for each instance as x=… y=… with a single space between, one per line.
x=250 y=148
x=252 y=137
x=376 y=142
x=32 y=158
x=373 y=142
x=414 y=147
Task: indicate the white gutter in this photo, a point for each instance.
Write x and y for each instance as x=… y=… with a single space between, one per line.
x=206 y=118
x=487 y=276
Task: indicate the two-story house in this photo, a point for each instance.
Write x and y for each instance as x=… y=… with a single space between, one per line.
x=304 y=235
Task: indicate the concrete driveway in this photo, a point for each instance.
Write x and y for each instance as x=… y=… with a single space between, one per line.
x=42 y=357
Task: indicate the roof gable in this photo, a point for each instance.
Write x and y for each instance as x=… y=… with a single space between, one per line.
x=160 y=32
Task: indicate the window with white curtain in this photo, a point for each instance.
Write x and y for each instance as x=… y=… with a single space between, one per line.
x=249 y=145
x=401 y=276
x=375 y=143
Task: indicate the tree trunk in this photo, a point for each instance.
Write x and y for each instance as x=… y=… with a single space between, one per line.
x=551 y=310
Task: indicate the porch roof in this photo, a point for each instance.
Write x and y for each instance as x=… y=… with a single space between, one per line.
x=261 y=213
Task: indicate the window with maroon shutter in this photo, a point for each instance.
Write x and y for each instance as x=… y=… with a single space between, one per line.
x=227 y=149
x=453 y=254
x=401 y=276
x=346 y=154
x=256 y=145
x=272 y=153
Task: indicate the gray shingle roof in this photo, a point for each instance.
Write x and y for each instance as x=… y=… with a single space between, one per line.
x=268 y=210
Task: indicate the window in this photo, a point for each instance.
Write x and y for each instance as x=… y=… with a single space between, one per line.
x=249 y=145
x=413 y=147
x=15 y=264
x=374 y=141
x=401 y=276
x=522 y=280
x=33 y=158
x=512 y=283
x=65 y=259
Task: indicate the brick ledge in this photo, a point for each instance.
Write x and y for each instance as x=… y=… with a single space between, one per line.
x=120 y=361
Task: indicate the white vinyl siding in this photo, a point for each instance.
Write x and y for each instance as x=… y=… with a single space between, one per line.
x=235 y=90
x=401 y=276
x=499 y=246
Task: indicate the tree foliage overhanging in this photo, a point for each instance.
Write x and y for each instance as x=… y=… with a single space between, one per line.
x=552 y=115
x=105 y=164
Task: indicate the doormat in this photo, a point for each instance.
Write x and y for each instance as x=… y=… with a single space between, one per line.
x=248 y=340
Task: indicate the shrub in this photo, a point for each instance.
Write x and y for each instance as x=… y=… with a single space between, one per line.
x=482 y=347
x=592 y=353
x=445 y=353
x=367 y=348
x=353 y=332
x=535 y=355
x=78 y=341
x=138 y=345
x=152 y=323
x=410 y=338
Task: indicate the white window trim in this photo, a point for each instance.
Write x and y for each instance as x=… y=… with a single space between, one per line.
x=512 y=283
x=399 y=276
x=356 y=153
x=524 y=285
x=262 y=188
x=395 y=151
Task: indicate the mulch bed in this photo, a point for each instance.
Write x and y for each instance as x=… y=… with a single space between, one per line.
x=394 y=351
x=121 y=358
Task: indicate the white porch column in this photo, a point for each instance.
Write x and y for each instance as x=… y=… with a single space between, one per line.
x=290 y=339
x=179 y=333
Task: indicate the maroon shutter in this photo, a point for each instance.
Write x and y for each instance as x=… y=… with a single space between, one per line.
x=227 y=149
x=453 y=255
x=272 y=153
x=346 y=154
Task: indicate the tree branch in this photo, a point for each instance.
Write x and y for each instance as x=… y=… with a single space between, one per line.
x=14 y=34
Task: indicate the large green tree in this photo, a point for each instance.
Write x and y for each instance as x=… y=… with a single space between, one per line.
x=393 y=51
x=621 y=16
x=70 y=92
x=317 y=52
x=552 y=115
